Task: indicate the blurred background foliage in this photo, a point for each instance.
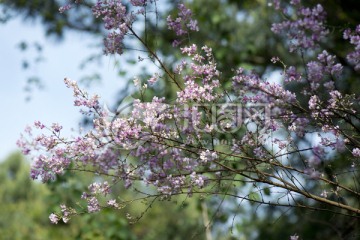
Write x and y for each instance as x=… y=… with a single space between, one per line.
x=239 y=32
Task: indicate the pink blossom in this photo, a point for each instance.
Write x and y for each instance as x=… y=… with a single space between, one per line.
x=356 y=152
x=307 y=30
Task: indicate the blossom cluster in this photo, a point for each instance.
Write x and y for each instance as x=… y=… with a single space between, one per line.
x=320 y=70
x=183 y=23
x=354 y=38
x=65 y=214
x=141 y=134
x=117 y=20
x=204 y=68
x=307 y=28
x=81 y=97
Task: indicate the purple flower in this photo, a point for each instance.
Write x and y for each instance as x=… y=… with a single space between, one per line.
x=207 y=156
x=292 y=75
x=354 y=38
x=65 y=8
x=295 y=2
x=183 y=23
x=99 y=188
x=54 y=218
x=356 y=152
x=39 y=125
x=294 y=237
x=313 y=174
x=314 y=161
x=314 y=102
x=197 y=180
x=56 y=127
x=138 y=3
x=307 y=30
x=315 y=74
x=93 y=205
x=117 y=20
x=112 y=203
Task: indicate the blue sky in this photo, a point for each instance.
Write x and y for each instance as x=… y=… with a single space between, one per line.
x=55 y=102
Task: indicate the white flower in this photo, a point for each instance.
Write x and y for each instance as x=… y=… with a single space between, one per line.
x=207 y=156
x=136 y=82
